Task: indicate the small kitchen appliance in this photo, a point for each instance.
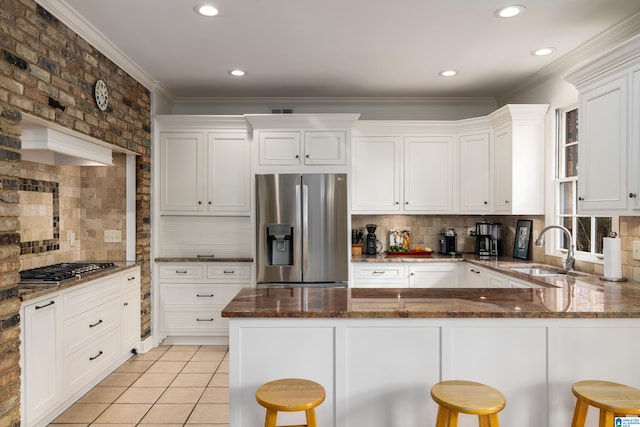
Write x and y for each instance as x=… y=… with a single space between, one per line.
x=447 y=242
x=488 y=239
x=371 y=242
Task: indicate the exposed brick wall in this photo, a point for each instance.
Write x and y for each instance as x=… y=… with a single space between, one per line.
x=48 y=71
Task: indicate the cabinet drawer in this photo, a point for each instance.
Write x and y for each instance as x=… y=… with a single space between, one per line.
x=182 y=272
x=88 y=297
x=201 y=321
x=90 y=360
x=390 y=274
x=229 y=272
x=90 y=325
x=197 y=295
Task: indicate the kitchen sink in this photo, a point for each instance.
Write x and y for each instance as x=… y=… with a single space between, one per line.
x=544 y=272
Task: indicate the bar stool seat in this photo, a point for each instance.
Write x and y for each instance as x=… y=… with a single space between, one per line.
x=467 y=397
x=612 y=399
x=290 y=395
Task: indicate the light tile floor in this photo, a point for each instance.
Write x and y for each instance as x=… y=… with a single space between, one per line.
x=167 y=386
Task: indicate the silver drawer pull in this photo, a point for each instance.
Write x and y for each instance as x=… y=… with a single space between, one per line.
x=204 y=295
x=96 y=324
x=96 y=356
x=205 y=320
x=181 y=271
x=229 y=271
x=38 y=307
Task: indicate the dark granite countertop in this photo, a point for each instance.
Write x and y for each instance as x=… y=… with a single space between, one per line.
x=201 y=259
x=29 y=292
x=574 y=296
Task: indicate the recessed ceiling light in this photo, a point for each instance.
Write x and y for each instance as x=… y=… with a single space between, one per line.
x=544 y=51
x=448 y=73
x=206 y=10
x=510 y=11
x=237 y=73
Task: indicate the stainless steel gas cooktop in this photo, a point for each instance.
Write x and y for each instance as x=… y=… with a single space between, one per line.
x=53 y=275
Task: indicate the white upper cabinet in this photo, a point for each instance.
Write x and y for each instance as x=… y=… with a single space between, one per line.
x=428 y=173
x=304 y=143
x=518 y=159
x=474 y=166
x=375 y=177
x=396 y=170
x=205 y=166
x=609 y=134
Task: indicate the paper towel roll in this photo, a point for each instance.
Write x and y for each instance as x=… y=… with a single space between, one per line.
x=612 y=251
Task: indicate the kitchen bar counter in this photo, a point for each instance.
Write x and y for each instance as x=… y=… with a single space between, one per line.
x=201 y=259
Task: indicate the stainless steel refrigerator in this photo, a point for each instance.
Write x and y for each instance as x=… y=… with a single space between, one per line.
x=302 y=229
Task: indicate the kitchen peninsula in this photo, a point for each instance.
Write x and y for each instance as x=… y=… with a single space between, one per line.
x=378 y=351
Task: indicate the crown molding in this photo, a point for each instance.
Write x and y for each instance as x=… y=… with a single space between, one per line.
x=76 y=22
x=598 y=46
x=168 y=122
x=337 y=100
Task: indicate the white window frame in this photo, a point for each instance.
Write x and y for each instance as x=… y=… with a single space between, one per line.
x=559 y=162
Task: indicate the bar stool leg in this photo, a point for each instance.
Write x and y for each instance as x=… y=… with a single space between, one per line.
x=311 y=418
x=579 y=413
x=606 y=418
x=490 y=420
x=270 y=419
x=453 y=419
x=443 y=414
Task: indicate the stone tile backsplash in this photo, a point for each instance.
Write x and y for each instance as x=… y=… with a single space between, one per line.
x=65 y=210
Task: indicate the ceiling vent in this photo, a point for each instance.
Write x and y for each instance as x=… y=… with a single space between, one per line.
x=281 y=110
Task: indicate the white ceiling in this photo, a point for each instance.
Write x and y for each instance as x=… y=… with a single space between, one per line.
x=346 y=48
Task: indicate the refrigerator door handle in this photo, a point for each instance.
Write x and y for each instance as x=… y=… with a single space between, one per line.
x=305 y=229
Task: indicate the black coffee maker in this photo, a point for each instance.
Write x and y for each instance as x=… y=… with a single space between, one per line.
x=371 y=242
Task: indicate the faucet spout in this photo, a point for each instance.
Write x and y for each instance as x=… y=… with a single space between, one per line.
x=570 y=261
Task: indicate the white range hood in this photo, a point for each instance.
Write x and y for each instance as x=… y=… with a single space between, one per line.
x=42 y=144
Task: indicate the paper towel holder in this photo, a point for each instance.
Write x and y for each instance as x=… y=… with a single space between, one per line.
x=613 y=235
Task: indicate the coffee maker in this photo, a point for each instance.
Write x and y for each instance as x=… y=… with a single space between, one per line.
x=447 y=242
x=371 y=241
x=488 y=239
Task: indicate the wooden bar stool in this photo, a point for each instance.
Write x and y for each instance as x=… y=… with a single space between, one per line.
x=467 y=397
x=612 y=399
x=290 y=395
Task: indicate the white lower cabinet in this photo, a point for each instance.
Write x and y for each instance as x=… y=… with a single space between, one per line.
x=192 y=296
x=434 y=275
x=379 y=275
x=42 y=364
x=74 y=337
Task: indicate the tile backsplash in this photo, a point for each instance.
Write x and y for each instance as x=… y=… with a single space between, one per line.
x=66 y=209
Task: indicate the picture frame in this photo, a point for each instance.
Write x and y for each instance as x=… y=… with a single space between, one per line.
x=523 y=238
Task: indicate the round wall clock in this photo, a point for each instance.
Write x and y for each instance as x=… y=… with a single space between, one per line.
x=101 y=95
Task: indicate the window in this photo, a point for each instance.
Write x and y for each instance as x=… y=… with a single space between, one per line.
x=587 y=231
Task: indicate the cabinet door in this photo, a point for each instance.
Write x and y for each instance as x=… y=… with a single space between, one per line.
x=436 y=275
x=130 y=328
x=324 y=148
x=476 y=277
x=428 y=174
x=496 y=280
x=228 y=173
x=474 y=172
x=181 y=170
x=634 y=144
x=376 y=174
x=603 y=148
x=279 y=148
x=42 y=358
x=502 y=170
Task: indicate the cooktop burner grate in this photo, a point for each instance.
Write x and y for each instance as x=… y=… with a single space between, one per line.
x=55 y=274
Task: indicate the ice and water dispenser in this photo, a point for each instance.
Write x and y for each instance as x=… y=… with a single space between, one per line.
x=279 y=244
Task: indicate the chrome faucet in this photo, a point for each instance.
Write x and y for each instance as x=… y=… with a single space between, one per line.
x=570 y=260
